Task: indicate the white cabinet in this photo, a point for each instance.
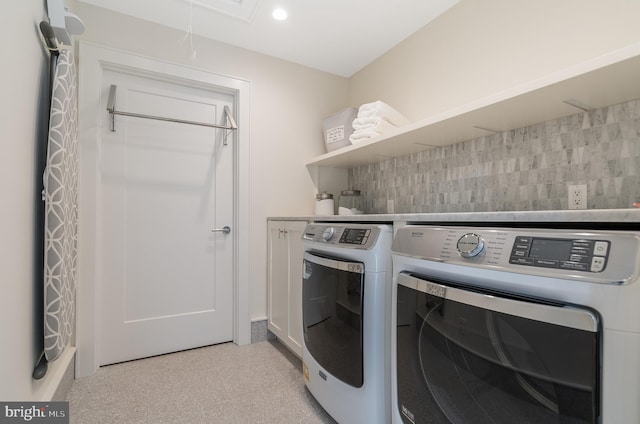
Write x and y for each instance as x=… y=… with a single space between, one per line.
x=284 y=279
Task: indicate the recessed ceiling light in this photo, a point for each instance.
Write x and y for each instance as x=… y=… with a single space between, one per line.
x=279 y=14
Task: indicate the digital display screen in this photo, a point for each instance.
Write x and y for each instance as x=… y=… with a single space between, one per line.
x=550 y=249
x=353 y=236
x=567 y=254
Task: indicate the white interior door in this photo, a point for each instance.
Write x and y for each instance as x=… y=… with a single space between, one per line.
x=165 y=279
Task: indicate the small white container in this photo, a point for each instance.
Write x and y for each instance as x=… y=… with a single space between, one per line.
x=324 y=204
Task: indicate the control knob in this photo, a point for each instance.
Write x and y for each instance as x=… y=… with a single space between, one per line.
x=328 y=233
x=470 y=245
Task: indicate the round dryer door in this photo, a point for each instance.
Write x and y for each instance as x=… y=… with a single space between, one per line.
x=467 y=357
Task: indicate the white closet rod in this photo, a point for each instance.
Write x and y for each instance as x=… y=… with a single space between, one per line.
x=111 y=107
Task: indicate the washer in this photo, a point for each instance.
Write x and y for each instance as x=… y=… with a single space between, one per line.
x=346 y=308
x=526 y=325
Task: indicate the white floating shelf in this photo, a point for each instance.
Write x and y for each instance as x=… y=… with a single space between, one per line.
x=609 y=79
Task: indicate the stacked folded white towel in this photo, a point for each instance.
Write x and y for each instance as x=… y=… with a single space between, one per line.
x=374 y=119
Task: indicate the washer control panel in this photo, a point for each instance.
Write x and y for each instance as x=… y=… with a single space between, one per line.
x=570 y=254
x=343 y=235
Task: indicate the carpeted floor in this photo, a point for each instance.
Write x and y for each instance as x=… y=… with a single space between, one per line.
x=226 y=383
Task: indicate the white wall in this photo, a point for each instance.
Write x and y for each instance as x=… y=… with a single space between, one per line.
x=481 y=47
x=288 y=103
x=23 y=120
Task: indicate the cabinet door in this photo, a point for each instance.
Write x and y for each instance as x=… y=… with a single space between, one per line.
x=295 y=250
x=277 y=280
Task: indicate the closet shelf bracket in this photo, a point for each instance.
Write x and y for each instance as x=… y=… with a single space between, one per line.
x=111 y=108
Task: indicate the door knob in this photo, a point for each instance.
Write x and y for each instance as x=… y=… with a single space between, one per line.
x=224 y=230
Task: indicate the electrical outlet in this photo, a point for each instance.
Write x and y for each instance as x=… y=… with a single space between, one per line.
x=578 y=196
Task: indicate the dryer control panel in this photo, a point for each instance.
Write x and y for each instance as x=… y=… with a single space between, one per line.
x=571 y=254
x=594 y=256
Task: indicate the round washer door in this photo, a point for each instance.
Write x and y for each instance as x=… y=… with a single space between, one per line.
x=332 y=305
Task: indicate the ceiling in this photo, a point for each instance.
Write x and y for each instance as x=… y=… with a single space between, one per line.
x=336 y=36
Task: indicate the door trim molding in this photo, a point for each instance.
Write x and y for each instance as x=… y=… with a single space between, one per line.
x=93 y=59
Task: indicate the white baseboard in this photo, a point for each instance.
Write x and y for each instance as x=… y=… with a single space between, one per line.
x=55 y=377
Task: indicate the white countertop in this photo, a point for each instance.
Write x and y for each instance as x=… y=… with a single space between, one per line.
x=589 y=215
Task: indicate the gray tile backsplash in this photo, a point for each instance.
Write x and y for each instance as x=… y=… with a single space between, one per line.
x=523 y=169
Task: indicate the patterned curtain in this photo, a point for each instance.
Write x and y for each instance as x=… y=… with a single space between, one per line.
x=61 y=211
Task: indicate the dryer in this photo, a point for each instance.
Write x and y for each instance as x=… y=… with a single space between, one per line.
x=527 y=325
x=346 y=308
